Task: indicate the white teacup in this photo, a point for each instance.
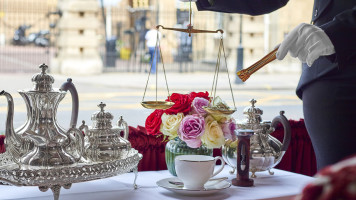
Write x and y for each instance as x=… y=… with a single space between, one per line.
x=195 y=170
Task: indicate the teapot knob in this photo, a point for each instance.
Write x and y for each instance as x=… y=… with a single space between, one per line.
x=84 y=128
x=253 y=102
x=287 y=129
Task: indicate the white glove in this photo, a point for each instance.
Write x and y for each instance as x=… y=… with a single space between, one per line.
x=307 y=42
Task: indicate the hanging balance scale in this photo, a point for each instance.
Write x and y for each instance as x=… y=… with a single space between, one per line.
x=156 y=104
x=215 y=107
x=219 y=107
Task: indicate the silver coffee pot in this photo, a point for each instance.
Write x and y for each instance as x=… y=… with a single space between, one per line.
x=265 y=150
x=103 y=142
x=41 y=141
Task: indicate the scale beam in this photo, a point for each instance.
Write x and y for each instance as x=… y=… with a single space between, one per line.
x=190 y=30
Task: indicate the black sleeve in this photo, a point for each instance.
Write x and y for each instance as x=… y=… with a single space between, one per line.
x=250 y=7
x=342 y=33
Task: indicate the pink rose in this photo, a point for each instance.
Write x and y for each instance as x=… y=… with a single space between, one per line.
x=191 y=129
x=228 y=128
x=198 y=104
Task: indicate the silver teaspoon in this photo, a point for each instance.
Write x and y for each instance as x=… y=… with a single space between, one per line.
x=213 y=179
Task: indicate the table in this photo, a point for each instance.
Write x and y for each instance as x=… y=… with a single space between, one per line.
x=281 y=185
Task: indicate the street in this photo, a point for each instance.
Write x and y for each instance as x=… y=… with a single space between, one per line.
x=126 y=102
x=123 y=91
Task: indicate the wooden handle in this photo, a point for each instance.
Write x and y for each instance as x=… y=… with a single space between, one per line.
x=246 y=73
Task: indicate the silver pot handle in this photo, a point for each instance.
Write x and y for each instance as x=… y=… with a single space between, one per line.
x=75 y=101
x=122 y=123
x=287 y=129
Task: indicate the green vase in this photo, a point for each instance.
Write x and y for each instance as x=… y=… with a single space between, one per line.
x=178 y=147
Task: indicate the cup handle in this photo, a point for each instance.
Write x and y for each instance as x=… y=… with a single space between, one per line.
x=222 y=165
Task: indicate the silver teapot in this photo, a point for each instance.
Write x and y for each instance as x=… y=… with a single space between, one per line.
x=265 y=150
x=41 y=141
x=103 y=142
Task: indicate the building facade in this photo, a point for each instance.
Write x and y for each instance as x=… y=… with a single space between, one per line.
x=126 y=22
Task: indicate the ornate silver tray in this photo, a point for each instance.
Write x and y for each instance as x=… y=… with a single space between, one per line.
x=41 y=153
x=63 y=176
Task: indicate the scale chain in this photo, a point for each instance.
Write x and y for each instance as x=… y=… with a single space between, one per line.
x=227 y=71
x=190 y=30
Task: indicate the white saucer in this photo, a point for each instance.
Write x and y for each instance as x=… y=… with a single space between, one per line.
x=210 y=187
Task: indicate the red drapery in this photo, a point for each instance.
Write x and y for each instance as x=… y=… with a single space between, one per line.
x=2 y=145
x=151 y=147
x=299 y=157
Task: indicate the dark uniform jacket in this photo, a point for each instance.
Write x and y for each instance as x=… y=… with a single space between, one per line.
x=336 y=17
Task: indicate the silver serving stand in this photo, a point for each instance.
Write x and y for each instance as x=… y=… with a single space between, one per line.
x=57 y=177
x=41 y=153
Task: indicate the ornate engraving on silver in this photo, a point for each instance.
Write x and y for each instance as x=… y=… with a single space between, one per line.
x=82 y=171
x=103 y=142
x=41 y=141
x=42 y=153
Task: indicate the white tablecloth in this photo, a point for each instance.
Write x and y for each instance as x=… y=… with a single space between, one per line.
x=281 y=185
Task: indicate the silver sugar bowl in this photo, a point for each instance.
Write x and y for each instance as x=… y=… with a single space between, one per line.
x=103 y=142
x=265 y=150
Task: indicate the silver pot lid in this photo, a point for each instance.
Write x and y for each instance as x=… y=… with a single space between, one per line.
x=42 y=81
x=102 y=119
x=253 y=113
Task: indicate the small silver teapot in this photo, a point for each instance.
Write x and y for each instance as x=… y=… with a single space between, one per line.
x=265 y=150
x=103 y=142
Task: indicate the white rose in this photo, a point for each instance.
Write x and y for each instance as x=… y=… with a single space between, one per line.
x=170 y=124
x=221 y=118
x=213 y=136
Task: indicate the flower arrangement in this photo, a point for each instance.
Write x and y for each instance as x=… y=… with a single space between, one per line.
x=188 y=120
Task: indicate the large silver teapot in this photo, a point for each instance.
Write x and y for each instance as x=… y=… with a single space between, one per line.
x=41 y=141
x=265 y=150
x=103 y=142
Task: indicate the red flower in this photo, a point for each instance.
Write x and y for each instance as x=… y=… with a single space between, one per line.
x=153 y=122
x=182 y=103
x=204 y=95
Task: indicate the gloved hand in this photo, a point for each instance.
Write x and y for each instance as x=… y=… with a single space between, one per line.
x=307 y=42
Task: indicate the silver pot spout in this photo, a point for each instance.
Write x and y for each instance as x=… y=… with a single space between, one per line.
x=12 y=140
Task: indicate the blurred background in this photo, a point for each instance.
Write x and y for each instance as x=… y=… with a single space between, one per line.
x=101 y=45
x=50 y=31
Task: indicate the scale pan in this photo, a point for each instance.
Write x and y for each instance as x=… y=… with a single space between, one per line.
x=219 y=111
x=162 y=105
